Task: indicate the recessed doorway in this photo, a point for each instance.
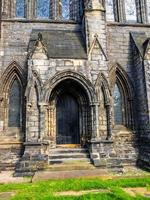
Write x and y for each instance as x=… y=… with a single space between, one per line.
x=67 y=120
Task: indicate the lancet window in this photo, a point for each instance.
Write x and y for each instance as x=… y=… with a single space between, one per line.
x=15 y=108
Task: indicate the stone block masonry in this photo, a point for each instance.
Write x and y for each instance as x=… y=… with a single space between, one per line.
x=71 y=68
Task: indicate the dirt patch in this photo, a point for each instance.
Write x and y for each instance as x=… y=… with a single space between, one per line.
x=79 y=193
x=6 y=195
x=143 y=191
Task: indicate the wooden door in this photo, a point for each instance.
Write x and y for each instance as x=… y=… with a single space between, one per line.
x=67 y=120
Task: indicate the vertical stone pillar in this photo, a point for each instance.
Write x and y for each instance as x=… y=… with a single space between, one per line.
x=95 y=120
x=142 y=11
x=28 y=136
x=30 y=9
x=109 y=121
x=95 y=23
x=13 y=9
x=43 y=108
x=121 y=11
x=58 y=9
x=6 y=8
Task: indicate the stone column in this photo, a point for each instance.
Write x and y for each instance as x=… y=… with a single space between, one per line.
x=28 y=136
x=13 y=9
x=142 y=11
x=109 y=121
x=42 y=128
x=121 y=11
x=30 y=9
x=5 y=8
x=95 y=120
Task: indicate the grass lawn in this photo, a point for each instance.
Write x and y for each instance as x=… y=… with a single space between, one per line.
x=47 y=190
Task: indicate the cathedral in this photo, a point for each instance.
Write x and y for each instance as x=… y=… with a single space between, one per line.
x=74 y=84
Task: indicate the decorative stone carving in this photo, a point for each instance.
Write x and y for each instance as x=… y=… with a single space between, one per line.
x=96 y=51
x=93 y=5
x=39 y=51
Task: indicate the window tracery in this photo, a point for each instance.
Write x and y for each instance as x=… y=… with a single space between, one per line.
x=20 y=8
x=43 y=8
x=65 y=9
x=110 y=10
x=130 y=10
x=118 y=105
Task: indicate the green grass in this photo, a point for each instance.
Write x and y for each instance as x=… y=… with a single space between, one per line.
x=44 y=190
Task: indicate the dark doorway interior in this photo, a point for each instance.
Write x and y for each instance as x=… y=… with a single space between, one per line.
x=67 y=119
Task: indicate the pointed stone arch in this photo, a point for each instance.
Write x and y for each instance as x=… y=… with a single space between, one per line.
x=121 y=78
x=34 y=81
x=13 y=72
x=102 y=83
x=68 y=74
x=85 y=95
x=97 y=45
x=103 y=88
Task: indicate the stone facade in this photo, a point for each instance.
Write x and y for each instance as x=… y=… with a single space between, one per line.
x=84 y=56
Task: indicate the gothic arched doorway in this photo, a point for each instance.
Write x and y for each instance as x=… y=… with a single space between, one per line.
x=69 y=114
x=67 y=119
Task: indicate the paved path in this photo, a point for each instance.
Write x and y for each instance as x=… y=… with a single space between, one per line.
x=45 y=175
x=7 y=177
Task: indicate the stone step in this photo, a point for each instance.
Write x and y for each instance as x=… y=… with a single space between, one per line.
x=71 y=166
x=7 y=166
x=68 y=160
x=68 y=150
x=68 y=155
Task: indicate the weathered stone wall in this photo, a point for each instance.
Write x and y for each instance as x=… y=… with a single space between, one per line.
x=119 y=45
x=15 y=38
x=106 y=46
x=122 y=50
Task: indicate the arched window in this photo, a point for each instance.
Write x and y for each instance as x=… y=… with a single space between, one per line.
x=130 y=10
x=15 y=109
x=118 y=105
x=110 y=10
x=43 y=8
x=20 y=8
x=148 y=10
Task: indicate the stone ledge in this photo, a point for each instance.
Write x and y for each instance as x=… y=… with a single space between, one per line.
x=101 y=141
x=24 y=20
x=36 y=143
